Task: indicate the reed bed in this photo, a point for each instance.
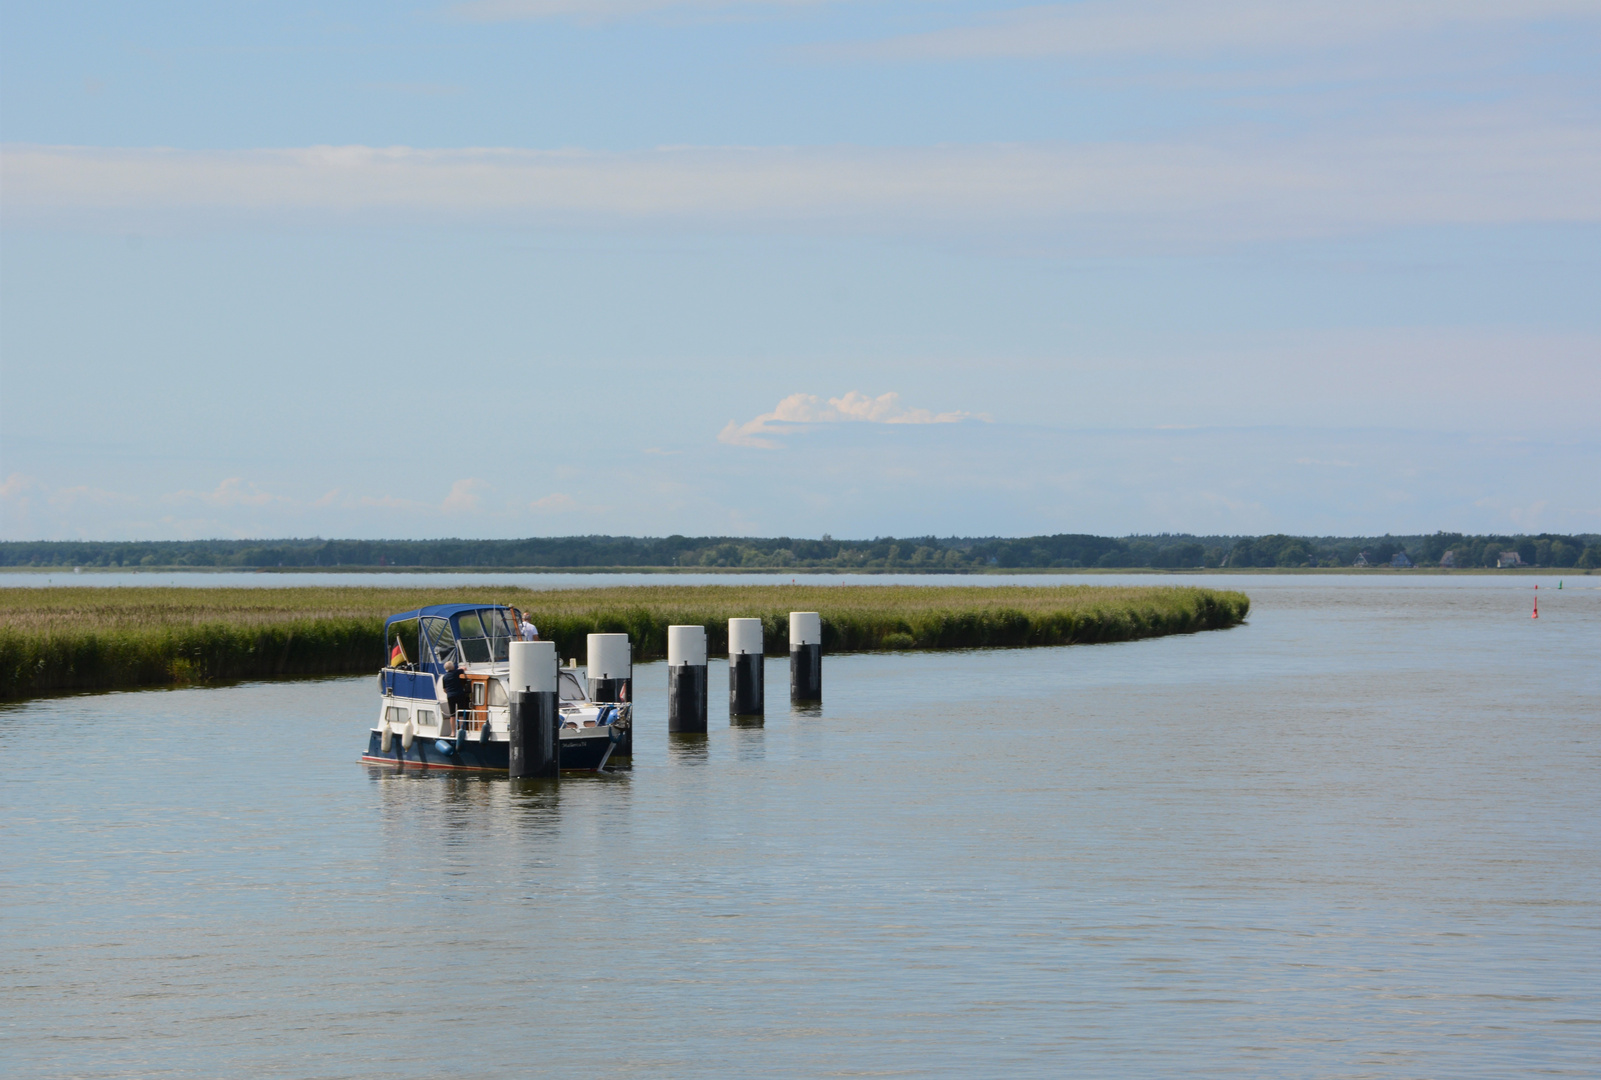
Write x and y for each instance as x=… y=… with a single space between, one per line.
x=64 y=639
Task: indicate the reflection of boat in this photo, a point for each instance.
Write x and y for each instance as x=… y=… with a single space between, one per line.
x=414 y=723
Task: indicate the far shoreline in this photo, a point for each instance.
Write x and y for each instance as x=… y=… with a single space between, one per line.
x=829 y=571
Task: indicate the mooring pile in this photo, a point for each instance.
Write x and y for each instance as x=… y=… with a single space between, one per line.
x=536 y=667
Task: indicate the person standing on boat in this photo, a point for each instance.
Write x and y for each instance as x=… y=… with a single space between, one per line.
x=455 y=687
x=526 y=631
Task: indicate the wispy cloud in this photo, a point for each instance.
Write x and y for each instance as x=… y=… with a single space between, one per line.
x=1198 y=27
x=234 y=491
x=961 y=481
x=1471 y=169
x=556 y=503
x=800 y=410
x=16 y=486
x=599 y=10
x=415 y=89
x=68 y=497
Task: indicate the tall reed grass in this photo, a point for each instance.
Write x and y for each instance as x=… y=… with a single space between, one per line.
x=61 y=639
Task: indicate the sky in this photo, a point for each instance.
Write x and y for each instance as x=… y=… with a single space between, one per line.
x=546 y=267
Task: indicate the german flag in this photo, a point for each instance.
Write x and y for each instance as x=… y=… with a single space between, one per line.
x=397 y=655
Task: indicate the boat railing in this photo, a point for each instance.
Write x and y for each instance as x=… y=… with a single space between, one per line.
x=405 y=683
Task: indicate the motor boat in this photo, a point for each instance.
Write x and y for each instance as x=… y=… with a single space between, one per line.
x=416 y=725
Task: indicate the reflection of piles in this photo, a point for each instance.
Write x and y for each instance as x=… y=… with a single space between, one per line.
x=688 y=748
x=455 y=806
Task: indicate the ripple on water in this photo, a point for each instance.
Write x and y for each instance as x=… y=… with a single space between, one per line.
x=1357 y=836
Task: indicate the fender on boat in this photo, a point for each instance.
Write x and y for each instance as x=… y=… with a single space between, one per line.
x=385 y=736
x=406 y=733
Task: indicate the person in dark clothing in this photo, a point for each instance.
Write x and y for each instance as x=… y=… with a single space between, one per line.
x=455 y=687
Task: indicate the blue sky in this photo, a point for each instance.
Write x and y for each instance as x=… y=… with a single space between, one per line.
x=526 y=268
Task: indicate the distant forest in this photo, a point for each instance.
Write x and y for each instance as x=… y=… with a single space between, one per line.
x=952 y=555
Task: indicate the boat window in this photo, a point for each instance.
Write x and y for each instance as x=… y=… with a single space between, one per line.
x=397 y=714
x=500 y=635
x=568 y=688
x=497 y=692
x=440 y=641
x=400 y=643
x=470 y=632
x=495 y=622
x=425 y=718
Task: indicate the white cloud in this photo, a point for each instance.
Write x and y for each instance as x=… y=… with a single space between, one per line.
x=804 y=409
x=1196 y=27
x=1475 y=170
x=463 y=497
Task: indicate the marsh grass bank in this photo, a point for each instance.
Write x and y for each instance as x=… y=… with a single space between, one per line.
x=63 y=639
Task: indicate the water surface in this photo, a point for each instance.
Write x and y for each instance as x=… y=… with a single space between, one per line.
x=1357 y=836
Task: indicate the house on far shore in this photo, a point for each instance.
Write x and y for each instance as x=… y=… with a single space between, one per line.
x=1448 y=559
x=1400 y=560
x=1362 y=560
x=1508 y=558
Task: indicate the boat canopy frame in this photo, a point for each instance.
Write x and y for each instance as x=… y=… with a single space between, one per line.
x=432 y=658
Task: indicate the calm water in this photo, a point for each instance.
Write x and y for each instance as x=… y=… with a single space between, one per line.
x=1360 y=836
x=488 y=579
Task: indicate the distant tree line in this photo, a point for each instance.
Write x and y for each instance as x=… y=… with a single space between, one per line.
x=928 y=554
x=1547 y=550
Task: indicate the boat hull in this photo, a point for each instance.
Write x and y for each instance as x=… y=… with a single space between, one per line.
x=583 y=754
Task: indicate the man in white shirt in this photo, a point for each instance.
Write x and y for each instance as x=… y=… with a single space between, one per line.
x=527 y=631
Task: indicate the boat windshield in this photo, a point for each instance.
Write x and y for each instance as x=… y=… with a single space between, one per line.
x=568 y=688
x=484 y=636
x=438 y=641
x=497 y=624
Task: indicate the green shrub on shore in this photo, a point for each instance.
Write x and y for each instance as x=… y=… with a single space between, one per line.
x=62 y=639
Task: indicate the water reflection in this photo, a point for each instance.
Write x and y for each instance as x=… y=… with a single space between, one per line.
x=463 y=804
x=532 y=803
x=750 y=742
x=688 y=748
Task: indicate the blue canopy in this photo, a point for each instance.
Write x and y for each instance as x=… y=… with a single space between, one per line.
x=441 y=611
